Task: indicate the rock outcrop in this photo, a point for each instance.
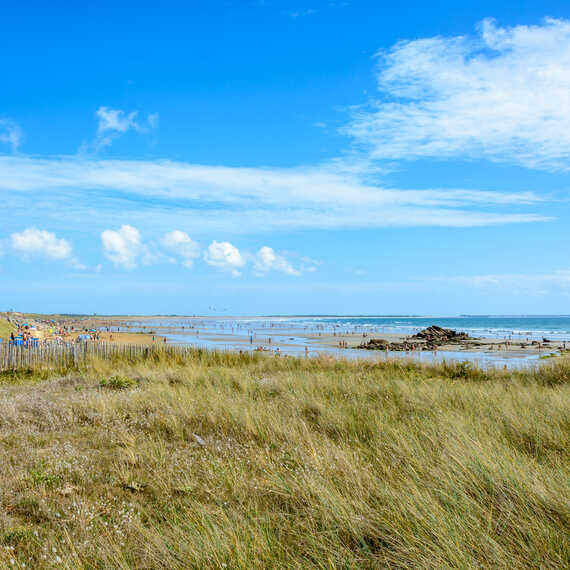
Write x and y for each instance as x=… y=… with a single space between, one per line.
x=439 y=335
x=427 y=339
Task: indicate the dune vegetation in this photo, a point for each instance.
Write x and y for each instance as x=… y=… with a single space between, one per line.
x=5 y=328
x=236 y=461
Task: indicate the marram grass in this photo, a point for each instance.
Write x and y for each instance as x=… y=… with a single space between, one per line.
x=222 y=461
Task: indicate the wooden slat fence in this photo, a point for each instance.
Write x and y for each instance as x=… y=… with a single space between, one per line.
x=66 y=355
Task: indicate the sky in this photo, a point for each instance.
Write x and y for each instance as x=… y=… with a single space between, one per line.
x=285 y=157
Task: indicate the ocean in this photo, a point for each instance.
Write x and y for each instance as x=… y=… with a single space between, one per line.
x=555 y=327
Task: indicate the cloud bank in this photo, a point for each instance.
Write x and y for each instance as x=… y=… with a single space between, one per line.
x=502 y=95
x=249 y=199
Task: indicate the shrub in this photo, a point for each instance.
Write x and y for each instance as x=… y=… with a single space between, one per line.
x=16 y=536
x=118 y=382
x=43 y=478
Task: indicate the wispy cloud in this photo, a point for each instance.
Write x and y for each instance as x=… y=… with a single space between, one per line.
x=246 y=199
x=501 y=95
x=302 y=13
x=11 y=134
x=112 y=123
x=516 y=283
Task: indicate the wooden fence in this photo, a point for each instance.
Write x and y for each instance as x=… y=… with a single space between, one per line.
x=67 y=355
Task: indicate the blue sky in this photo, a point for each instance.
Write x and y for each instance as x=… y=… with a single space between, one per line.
x=273 y=157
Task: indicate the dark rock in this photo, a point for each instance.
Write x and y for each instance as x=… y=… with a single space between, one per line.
x=439 y=335
x=428 y=339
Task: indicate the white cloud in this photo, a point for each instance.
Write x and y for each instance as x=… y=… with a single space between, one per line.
x=213 y=198
x=225 y=256
x=11 y=134
x=33 y=242
x=180 y=243
x=515 y=283
x=502 y=95
x=123 y=246
x=115 y=122
x=267 y=260
x=40 y=242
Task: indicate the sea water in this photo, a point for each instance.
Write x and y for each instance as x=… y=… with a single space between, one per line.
x=295 y=335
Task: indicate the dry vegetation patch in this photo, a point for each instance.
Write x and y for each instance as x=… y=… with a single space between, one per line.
x=256 y=462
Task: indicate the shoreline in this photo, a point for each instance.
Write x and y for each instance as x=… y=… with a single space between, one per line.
x=280 y=336
x=479 y=344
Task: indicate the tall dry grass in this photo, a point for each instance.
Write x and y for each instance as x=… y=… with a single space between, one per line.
x=228 y=461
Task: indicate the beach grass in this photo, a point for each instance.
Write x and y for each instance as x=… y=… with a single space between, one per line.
x=5 y=328
x=221 y=460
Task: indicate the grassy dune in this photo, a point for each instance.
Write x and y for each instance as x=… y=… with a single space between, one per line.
x=224 y=461
x=5 y=328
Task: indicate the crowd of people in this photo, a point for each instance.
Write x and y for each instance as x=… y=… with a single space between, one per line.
x=24 y=337
x=38 y=333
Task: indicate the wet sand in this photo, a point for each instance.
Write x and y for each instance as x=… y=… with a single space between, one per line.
x=480 y=344
x=122 y=337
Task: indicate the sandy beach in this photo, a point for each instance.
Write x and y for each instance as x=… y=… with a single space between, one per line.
x=55 y=328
